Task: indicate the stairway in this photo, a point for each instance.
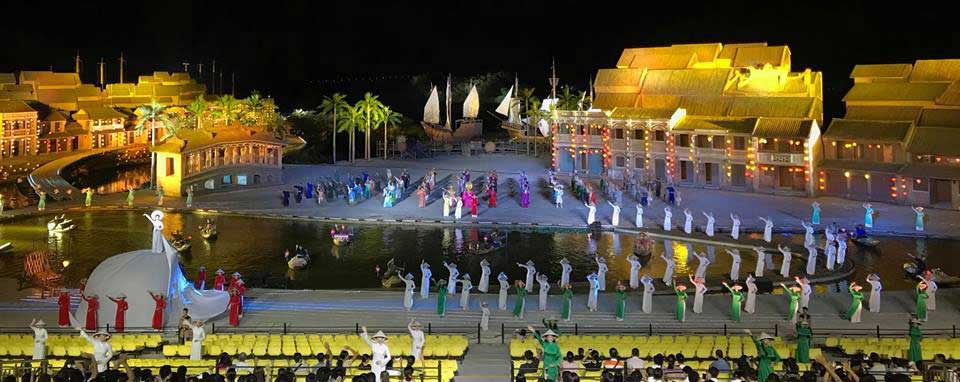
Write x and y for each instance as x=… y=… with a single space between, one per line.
x=485 y=363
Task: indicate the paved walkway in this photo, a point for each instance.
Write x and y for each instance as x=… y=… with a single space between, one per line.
x=47 y=177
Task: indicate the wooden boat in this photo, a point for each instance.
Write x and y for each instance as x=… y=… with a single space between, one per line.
x=298 y=262
x=180 y=242
x=865 y=241
x=60 y=224
x=942 y=278
x=209 y=230
x=468 y=128
x=340 y=239
x=6 y=247
x=391 y=277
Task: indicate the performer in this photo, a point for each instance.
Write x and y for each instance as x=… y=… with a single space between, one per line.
x=93 y=304
x=736 y=297
x=159 y=195
x=102 y=351
x=422 y=196
x=668 y=271
x=458 y=210
x=648 y=290
x=811 y=258
x=681 y=291
x=914 y=352
x=531 y=272
x=201 y=278
x=234 y=305
x=687 y=221
x=196 y=342
x=447 y=202
x=794 y=293
x=615 y=218
x=122 y=306
x=42 y=204
x=785 y=265
x=63 y=304
x=922 y=296
x=766 y=355
x=544 y=289
x=484 y=276
x=634 y=271
x=767 y=229
x=841 y=248
x=702 y=263
x=918 y=222
x=805 y=291
x=567 y=306
x=751 y=304
x=190 y=196
x=868 y=215
x=504 y=289
x=815 y=217
x=931 y=279
x=639 y=219
x=558 y=196
x=88 y=193
x=761 y=261
x=484 y=316
x=621 y=301
x=518 y=305
x=39 y=339
x=699 y=288
x=667 y=217
x=161 y=303
x=492 y=194
x=219 y=280
x=379 y=352
x=551 y=354
x=808 y=233
x=711 y=221
x=130 y=194
x=442 y=292
x=409 y=289
x=875 y=288
x=735 y=230
x=565 y=272
x=425 y=274
x=831 y=253
x=472 y=201
x=417 y=339
x=465 y=286
x=601 y=272
x=594 y=283
x=592 y=214
x=856 y=304
x=804 y=341
x=734 y=263
x=452 y=275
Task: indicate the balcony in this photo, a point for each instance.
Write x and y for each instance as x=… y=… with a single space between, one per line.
x=789 y=159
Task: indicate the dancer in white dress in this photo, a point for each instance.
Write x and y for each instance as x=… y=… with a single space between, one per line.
x=702 y=263
x=39 y=339
x=484 y=285
x=615 y=217
x=591 y=214
x=425 y=275
x=504 y=290
x=466 y=285
x=380 y=353
x=196 y=342
x=875 y=288
x=699 y=288
x=409 y=289
x=767 y=229
x=667 y=219
x=634 y=271
x=932 y=288
x=566 y=269
x=805 y=291
x=687 y=221
x=454 y=275
x=808 y=233
x=734 y=263
x=484 y=316
x=417 y=339
x=761 y=261
x=531 y=273
x=639 y=219
x=751 y=304
x=841 y=248
x=594 y=290
x=602 y=272
x=458 y=212
x=831 y=253
x=156 y=218
x=812 y=254
x=735 y=229
x=648 y=290
x=785 y=265
x=711 y=221
x=544 y=289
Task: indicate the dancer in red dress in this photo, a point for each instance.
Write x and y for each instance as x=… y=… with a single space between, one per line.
x=83 y=285
x=93 y=304
x=219 y=280
x=122 y=306
x=158 y=311
x=422 y=195
x=240 y=290
x=234 y=307
x=492 y=195
x=64 y=303
x=201 y=280
x=233 y=280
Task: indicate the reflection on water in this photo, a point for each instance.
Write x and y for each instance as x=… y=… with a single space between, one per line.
x=254 y=247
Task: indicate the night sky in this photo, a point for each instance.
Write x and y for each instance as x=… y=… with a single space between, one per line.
x=300 y=50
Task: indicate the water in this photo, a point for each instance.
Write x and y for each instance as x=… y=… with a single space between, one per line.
x=254 y=247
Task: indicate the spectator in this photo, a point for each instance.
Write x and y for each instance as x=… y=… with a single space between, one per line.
x=613 y=361
x=634 y=362
x=241 y=364
x=712 y=374
x=720 y=363
x=569 y=365
x=593 y=362
x=530 y=366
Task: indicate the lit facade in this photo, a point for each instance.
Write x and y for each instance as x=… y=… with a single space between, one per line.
x=18 y=129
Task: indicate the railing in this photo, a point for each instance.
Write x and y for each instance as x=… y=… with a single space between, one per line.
x=792 y=159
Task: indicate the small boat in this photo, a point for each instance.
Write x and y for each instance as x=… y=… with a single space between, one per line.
x=391 y=277
x=943 y=279
x=865 y=241
x=60 y=224
x=209 y=230
x=300 y=260
x=6 y=247
x=489 y=244
x=180 y=242
x=643 y=245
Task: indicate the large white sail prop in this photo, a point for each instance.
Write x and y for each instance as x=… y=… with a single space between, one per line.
x=431 y=112
x=504 y=107
x=471 y=106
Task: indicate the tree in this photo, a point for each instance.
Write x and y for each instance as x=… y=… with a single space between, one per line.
x=351 y=121
x=254 y=112
x=567 y=100
x=329 y=107
x=198 y=111
x=174 y=124
x=372 y=111
x=526 y=95
x=389 y=117
x=226 y=108
x=152 y=112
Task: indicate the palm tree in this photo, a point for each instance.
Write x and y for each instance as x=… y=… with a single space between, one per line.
x=173 y=125
x=389 y=117
x=567 y=100
x=226 y=108
x=152 y=112
x=526 y=94
x=372 y=111
x=350 y=122
x=255 y=106
x=197 y=110
x=330 y=106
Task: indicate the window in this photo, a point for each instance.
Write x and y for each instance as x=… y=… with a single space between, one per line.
x=226 y=179
x=242 y=180
x=683 y=140
x=209 y=184
x=621 y=161
x=618 y=134
x=169 y=166
x=703 y=141
x=921 y=184
x=684 y=170
x=638 y=134
x=638 y=162
x=659 y=136
x=719 y=142
x=739 y=143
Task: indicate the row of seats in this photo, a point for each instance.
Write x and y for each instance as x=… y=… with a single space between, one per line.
x=693 y=347
x=897 y=347
x=62 y=345
x=309 y=345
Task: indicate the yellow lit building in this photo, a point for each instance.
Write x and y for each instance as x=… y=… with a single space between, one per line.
x=710 y=115
x=899 y=140
x=18 y=129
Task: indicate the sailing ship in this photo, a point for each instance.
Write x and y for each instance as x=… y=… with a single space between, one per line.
x=520 y=128
x=468 y=128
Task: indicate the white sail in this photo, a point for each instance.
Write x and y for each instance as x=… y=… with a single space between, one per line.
x=447 y=124
x=544 y=127
x=471 y=106
x=431 y=112
x=548 y=104
x=504 y=107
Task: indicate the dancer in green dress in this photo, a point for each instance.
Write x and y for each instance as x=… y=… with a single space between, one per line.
x=914 y=353
x=922 y=296
x=441 y=297
x=804 y=335
x=856 y=304
x=681 y=291
x=42 y=204
x=566 y=307
x=551 y=354
x=190 y=197
x=130 y=192
x=88 y=192
x=766 y=355
x=518 y=306
x=621 y=300
x=794 y=293
x=736 y=298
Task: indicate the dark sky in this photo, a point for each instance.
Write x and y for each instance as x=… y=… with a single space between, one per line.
x=294 y=50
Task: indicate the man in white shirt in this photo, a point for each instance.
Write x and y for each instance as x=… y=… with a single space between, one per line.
x=634 y=362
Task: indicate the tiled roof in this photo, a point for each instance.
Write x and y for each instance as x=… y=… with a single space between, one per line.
x=607 y=101
x=951 y=96
x=61 y=98
x=930 y=170
x=48 y=79
x=644 y=113
x=936 y=70
x=934 y=141
x=882 y=71
x=758 y=56
x=663 y=61
x=619 y=80
x=729 y=51
x=727 y=125
x=940 y=117
x=883 y=131
x=857 y=165
x=98 y=113
x=783 y=128
x=895 y=91
x=15 y=107
x=192 y=139
x=883 y=113
x=686 y=81
x=788 y=107
x=88 y=91
x=7 y=78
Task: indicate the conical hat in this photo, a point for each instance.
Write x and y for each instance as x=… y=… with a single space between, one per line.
x=103 y=333
x=379 y=335
x=765 y=336
x=39 y=323
x=550 y=333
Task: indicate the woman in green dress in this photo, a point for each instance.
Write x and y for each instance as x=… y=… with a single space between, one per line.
x=856 y=304
x=804 y=335
x=914 y=353
x=566 y=307
x=551 y=354
x=518 y=306
x=736 y=298
x=766 y=355
x=621 y=300
x=441 y=297
x=130 y=193
x=794 y=293
x=681 y=291
x=922 y=295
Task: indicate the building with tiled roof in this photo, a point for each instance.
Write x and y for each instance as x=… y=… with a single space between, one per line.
x=899 y=140
x=106 y=126
x=711 y=115
x=18 y=129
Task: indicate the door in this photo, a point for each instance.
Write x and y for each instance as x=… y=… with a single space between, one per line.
x=596 y=163
x=708 y=175
x=940 y=191
x=660 y=168
x=738 y=175
x=565 y=161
